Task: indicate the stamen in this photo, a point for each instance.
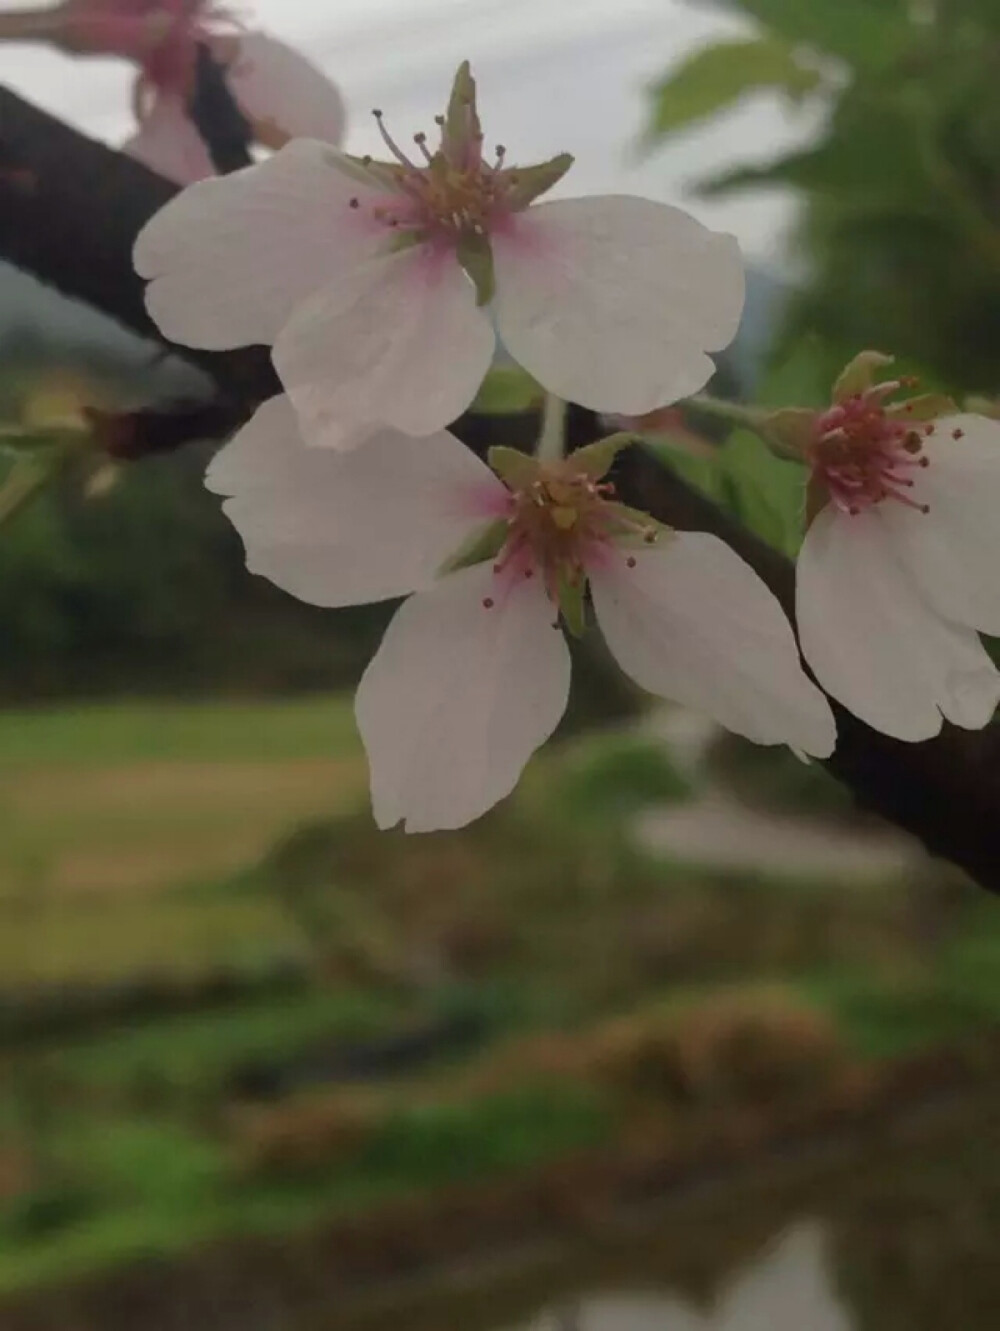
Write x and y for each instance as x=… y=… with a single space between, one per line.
x=391 y=143
x=421 y=141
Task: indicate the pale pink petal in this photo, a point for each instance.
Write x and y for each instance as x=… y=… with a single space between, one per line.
x=953 y=551
x=397 y=341
x=276 y=85
x=875 y=644
x=692 y=622
x=169 y=144
x=229 y=258
x=458 y=697
x=613 y=301
x=338 y=530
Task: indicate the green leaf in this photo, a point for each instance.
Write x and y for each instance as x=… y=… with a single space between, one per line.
x=868 y=34
x=764 y=492
x=717 y=76
x=506 y=391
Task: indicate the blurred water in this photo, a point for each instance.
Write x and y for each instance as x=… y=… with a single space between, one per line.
x=789 y=1288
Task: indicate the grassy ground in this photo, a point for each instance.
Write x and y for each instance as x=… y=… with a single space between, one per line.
x=112 y=818
x=157 y=840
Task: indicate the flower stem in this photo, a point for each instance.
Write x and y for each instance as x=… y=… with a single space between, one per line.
x=551 y=446
x=735 y=413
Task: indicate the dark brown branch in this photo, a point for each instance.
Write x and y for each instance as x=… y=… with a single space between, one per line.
x=69 y=212
x=223 y=127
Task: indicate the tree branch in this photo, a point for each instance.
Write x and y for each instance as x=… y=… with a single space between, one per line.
x=223 y=127
x=69 y=212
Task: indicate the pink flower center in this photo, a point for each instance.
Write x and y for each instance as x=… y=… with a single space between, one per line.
x=862 y=455
x=561 y=521
x=444 y=196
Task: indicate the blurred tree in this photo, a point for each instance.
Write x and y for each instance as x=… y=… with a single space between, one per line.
x=901 y=228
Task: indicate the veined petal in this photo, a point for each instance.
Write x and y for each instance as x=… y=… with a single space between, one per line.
x=691 y=621
x=336 y=530
x=875 y=644
x=613 y=302
x=229 y=258
x=396 y=341
x=458 y=697
x=953 y=551
x=169 y=144
x=277 y=87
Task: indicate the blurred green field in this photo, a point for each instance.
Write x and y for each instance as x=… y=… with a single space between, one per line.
x=176 y=842
x=114 y=819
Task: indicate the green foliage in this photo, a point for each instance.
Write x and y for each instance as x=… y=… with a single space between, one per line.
x=764 y=492
x=612 y=775
x=901 y=232
x=717 y=76
x=143 y=587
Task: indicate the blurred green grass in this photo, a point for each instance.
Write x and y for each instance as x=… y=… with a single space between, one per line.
x=231 y=836
x=106 y=812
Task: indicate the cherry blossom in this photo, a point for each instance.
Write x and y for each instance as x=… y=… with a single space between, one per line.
x=898 y=569
x=280 y=92
x=371 y=279
x=473 y=673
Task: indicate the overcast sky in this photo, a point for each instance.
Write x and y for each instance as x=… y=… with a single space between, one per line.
x=554 y=75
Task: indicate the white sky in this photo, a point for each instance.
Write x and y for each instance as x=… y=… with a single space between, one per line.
x=554 y=75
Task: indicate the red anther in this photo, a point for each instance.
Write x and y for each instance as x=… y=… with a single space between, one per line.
x=488 y=602
x=355 y=203
x=958 y=434
x=630 y=561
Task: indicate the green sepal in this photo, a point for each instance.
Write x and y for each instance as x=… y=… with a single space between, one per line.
x=597 y=459
x=485 y=543
x=476 y=257
x=789 y=431
x=524 y=184
x=516 y=469
x=572 y=605
x=927 y=407
x=637 y=518
x=859 y=374
x=461 y=121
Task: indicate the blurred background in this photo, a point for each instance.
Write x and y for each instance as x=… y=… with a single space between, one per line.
x=675 y=1038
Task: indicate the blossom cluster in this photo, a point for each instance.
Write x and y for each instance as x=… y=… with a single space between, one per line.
x=382 y=287
x=281 y=94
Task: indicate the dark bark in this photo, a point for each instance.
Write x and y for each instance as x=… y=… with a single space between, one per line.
x=69 y=213
x=220 y=122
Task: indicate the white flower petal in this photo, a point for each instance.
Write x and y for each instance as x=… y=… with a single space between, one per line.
x=954 y=550
x=169 y=144
x=338 y=531
x=692 y=622
x=229 y=258
x=275 y=85
x=458 y=697
x=396 y=341
x=875 y=644
x=612 y=302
